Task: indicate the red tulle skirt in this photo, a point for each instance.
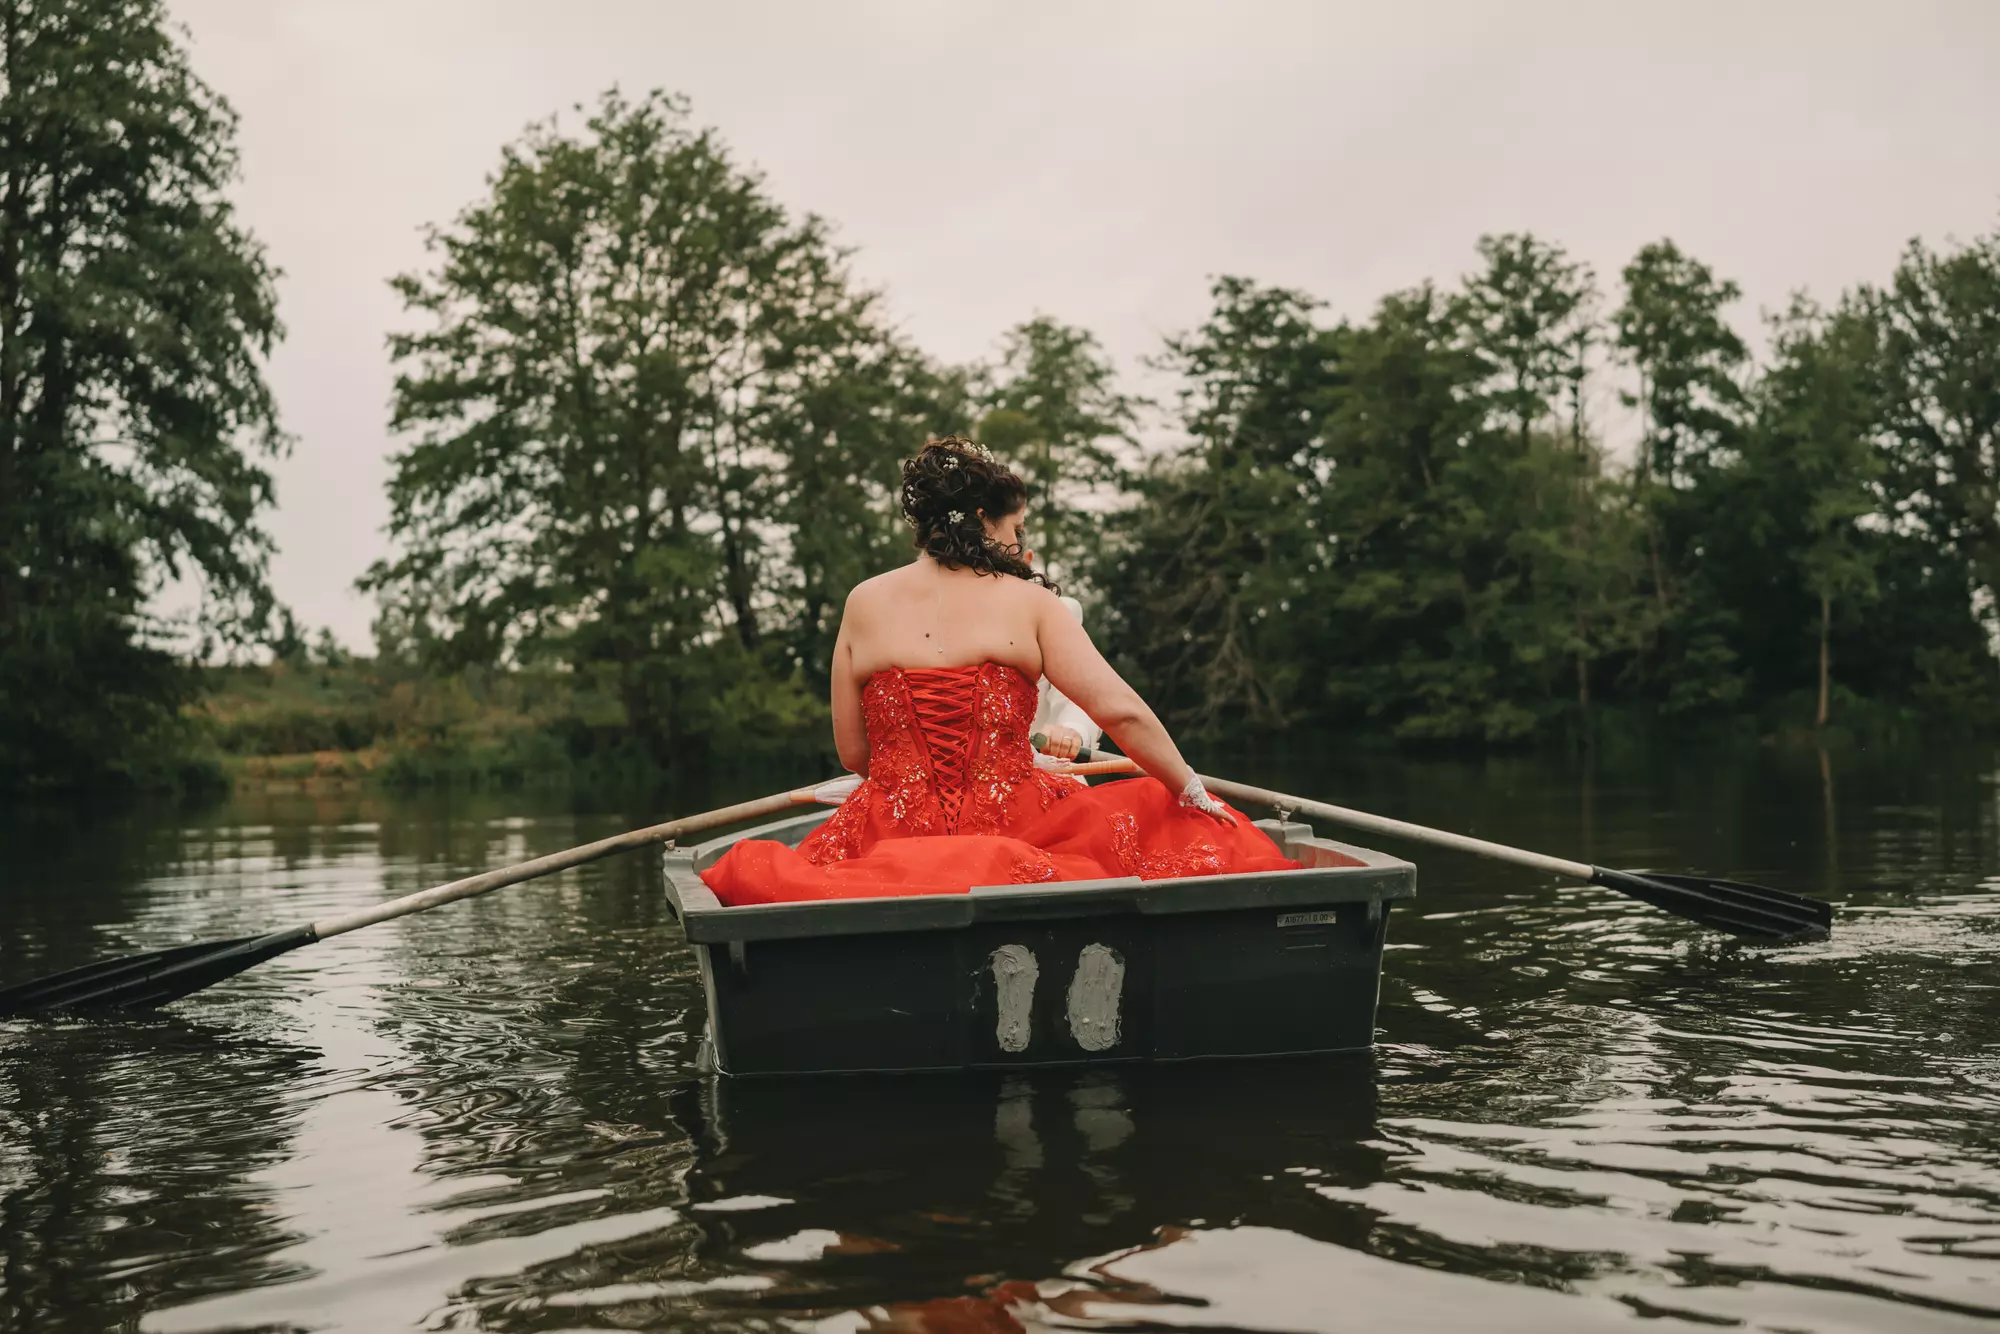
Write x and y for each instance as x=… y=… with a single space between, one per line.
x=1130 y=828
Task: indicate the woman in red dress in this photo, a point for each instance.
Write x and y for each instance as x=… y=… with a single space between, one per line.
x=934 y=676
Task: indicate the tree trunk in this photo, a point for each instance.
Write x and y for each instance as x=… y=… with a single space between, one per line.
x=1825 y=624
x=644 y=718
x=740 y=580
x=13 y=219
x=1659 y=577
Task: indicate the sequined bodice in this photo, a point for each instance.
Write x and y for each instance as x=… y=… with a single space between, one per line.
x=947 y=754
x=949 y=745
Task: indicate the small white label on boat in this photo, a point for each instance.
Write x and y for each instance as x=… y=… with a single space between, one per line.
x=1308 y=918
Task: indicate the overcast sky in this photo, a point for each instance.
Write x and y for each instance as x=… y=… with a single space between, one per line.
x=1098 y=161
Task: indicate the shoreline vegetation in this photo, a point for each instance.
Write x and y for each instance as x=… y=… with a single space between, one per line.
x=314 y=723
x=354 y=725
x=649 y=428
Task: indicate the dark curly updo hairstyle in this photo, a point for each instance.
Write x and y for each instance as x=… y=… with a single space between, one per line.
x=946 y=488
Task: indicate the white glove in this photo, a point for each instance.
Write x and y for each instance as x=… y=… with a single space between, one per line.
x=1195 y=797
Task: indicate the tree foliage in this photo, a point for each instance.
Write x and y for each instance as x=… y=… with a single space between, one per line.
x=655 y=429
x=1198 y=588
x=1406 y=525
x=654 y=425
x=651 y=428
x=135 y=316
x=1360 y=532
x=1052 y=406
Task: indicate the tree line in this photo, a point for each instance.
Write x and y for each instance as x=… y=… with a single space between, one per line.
x=650 y=428
x=1410 y=523
x=656 y=428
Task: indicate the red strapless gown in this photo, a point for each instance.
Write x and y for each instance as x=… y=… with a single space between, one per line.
x=953 y=800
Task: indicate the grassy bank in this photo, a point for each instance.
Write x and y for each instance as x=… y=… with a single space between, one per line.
x=357 y=723
x=317 y=726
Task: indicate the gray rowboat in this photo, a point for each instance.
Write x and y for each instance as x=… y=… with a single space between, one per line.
x=1076 y=972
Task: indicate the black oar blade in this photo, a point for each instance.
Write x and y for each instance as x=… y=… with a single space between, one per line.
x=1755 y=912
x=141 y=981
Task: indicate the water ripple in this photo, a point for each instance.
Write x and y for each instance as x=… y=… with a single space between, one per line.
x=1581 y=1113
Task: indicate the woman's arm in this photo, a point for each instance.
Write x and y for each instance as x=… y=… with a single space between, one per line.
x=1075 y=667
x=1069 y=728
x=1063 y=712
x=850 y=729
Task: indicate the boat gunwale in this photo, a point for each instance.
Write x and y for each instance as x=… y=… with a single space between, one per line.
x=1375 y=880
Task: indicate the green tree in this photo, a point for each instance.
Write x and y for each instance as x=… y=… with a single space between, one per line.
x=1205 y=582
x=1689 y=360
x=1531 y=314
x=1357 y=537
x=653 y=420
x=1053 y=411
x=1470 y=568
x=1940 y=320
x=1813 y=464
x=1690 y=364
x=135 y=317
x=1403 y=548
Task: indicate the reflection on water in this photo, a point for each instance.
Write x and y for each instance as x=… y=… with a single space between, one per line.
x=1581 y=1112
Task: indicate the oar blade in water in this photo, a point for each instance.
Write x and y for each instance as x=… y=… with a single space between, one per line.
x=142 y=981
x=1754 y=912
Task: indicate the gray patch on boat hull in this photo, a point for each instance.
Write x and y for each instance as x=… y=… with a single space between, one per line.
x=1014 y=974
x=1093 y=998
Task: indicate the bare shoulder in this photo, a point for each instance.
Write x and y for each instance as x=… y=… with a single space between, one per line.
x=874 y=592
x=1036 y=598
x=1042 y=609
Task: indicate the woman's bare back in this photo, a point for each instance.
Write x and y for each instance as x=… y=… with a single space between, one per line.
x=924 y=615
x=928 y=615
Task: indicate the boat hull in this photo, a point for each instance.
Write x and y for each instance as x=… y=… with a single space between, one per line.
x=1078 y=972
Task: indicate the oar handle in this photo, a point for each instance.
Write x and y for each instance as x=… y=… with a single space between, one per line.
x=1244 y=794
x=474 y=885
x=1084 y=754
x=1087 y=761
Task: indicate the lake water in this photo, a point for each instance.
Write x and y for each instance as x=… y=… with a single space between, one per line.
x=1580 y=1112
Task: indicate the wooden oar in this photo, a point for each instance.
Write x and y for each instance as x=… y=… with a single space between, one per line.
x=142 y=981
x=1755 y=912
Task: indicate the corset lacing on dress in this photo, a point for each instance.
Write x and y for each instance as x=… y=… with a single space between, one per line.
x=941 y=706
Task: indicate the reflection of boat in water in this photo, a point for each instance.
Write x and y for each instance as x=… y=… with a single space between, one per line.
x=1014 y=1174
x=1134 y=1197
x=1082 y=972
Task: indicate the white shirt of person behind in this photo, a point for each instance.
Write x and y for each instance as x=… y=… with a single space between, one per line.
x=1055 y=709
